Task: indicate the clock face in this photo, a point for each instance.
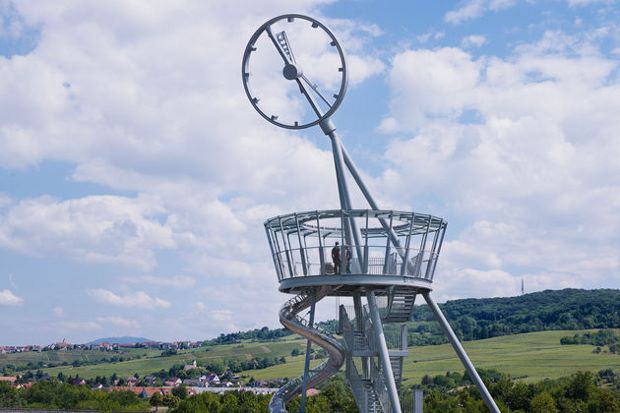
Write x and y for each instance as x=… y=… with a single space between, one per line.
x=294 y=71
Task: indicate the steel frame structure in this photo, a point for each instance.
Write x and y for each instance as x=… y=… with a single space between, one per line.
x=386 y=257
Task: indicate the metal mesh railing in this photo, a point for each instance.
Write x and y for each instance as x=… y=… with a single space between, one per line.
x=302 y=262
x=360 y=242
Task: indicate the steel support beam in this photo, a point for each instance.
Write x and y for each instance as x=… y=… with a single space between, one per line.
x=359 y=327
x=345 y=201
x=384 y=353
x=460 y=351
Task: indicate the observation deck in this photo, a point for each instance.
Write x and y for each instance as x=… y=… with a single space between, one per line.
x=376 y=249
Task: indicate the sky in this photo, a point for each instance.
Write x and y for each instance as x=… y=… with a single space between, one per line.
x=135 y=176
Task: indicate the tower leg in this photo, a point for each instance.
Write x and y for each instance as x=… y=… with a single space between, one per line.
x=383 y=352
x=304 y=386
x=460 y=351
x=357 y=306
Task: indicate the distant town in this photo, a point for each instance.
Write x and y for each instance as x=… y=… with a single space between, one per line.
x=184 y=381
x=103 y=346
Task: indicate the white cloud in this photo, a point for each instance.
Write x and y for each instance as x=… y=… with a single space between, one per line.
x=71 y=326
x=421 y=79
x=8 y=298
x=425 y=37
x=363 y=68
x=138 y=299
x=473 y=40
x=523 y=150
x=58 y=311
x=107 y=229
x=177 y=131
x=117 y=322
x=5 y=200
x=581 y=3
x=471 y=9
x=176 y=281
x=222 y=315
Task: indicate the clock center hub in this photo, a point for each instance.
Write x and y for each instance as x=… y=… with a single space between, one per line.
x=291 y=71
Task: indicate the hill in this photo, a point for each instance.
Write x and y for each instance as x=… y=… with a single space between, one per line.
x=472 y=319
x=119 y=340
x=480 y=318
x=568 y=309
x=529 y=356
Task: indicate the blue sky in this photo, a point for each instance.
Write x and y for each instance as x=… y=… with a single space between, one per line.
x=135 y=176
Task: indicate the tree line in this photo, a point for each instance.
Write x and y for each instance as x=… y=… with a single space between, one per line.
x=54 y=394
x=452 y=392
x=475 y=319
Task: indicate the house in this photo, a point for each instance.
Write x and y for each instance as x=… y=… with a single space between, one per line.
x=311 y=392
x=213 y=379
x=64 y=345
x=105 y=346
x=192 y=366
x=78 y=381
x=172 y=382
x=149 y=380
x=132 y=381
x=144 y=392
x=194 y=383
x=10 y=379
x=97 y=386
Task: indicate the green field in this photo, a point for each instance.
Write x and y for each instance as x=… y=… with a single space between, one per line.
x=531 y=356
x=147 y=365
x=69 y=356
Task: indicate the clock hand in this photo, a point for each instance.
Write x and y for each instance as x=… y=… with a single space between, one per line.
x=313 y=104
x=280 y=41
x=316 y=89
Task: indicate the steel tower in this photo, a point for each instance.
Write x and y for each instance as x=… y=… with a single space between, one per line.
x=381 y=258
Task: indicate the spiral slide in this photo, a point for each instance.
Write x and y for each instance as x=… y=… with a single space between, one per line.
x=291 y=320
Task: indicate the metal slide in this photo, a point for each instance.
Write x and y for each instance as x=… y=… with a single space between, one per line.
x=291 y=320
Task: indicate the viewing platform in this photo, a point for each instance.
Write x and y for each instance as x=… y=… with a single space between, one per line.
x=352 y=248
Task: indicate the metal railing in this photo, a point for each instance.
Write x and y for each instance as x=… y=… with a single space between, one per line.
x=377 y=260
x=370 y=242
x=290 y=318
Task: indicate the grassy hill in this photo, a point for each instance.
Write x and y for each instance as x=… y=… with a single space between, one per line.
x=42 y=359
x=529 y=356
x=120 y=340
x=147 y=365
x=510 y=334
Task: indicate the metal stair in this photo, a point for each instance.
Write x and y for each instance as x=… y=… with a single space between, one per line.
x=400 y=306
x=397 y=367
x=361 y=347
x=373 y=403
x=369 y=388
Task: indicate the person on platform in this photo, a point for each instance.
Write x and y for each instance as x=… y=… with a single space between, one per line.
x=336 y=258
x=347 y=257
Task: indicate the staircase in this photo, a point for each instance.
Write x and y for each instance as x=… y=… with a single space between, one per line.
x=397 y=367
x=372 y=402
x=400 y=306
x=369 y=388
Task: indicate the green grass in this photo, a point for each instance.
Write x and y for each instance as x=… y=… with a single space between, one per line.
x=144 y=366
x=69 y=356
x=532 y=357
